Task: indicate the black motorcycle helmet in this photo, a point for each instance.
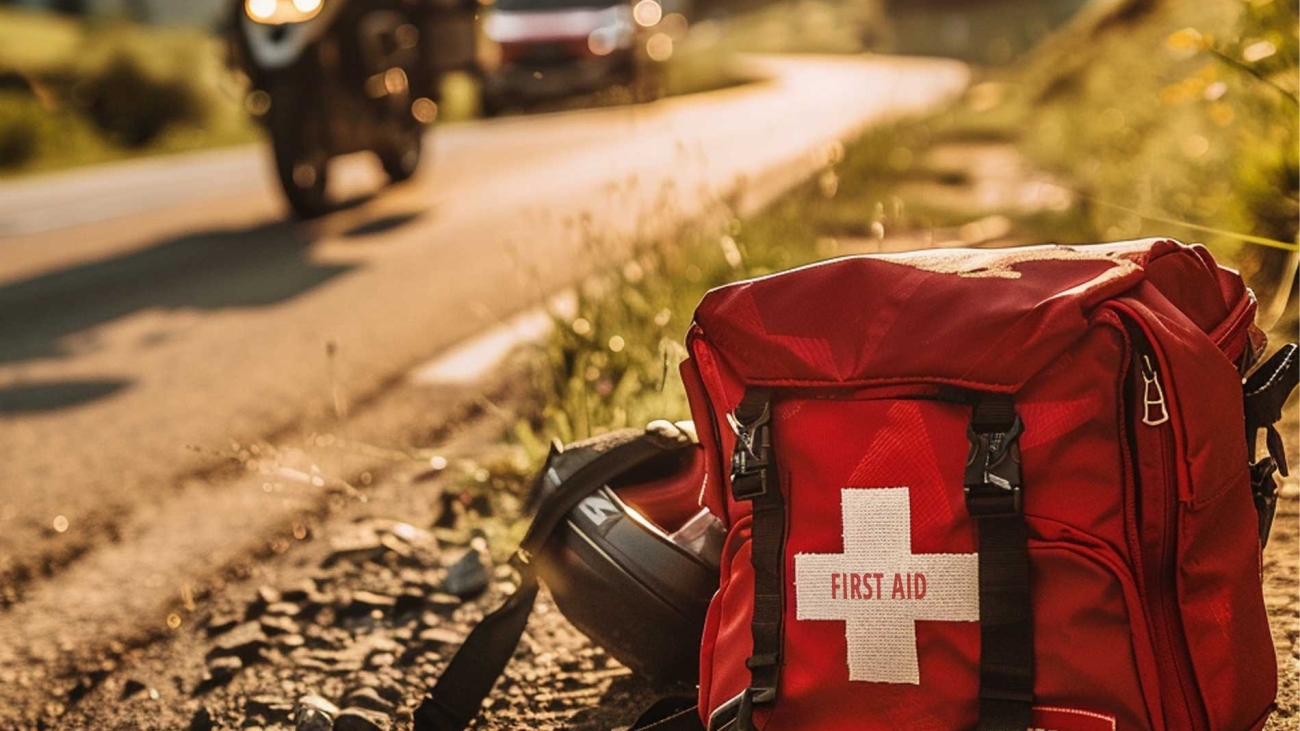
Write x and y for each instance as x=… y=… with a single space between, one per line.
x=619 y=539
x=635 y=564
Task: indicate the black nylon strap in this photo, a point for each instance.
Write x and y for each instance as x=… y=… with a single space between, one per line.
x=754 y=479
x=670 y=714
x=1006 y=623
x=457 y=696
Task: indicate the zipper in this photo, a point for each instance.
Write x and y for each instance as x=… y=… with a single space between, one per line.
x=1152 y=453
x=1154 y=409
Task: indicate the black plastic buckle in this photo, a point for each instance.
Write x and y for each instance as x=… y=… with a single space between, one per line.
x=737 y=714
x=993 y=477
x=750 y=459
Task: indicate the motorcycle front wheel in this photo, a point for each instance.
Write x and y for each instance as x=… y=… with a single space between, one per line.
x=401 y=156
x=300 y=141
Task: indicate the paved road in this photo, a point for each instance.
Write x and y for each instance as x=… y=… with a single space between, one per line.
x=153 y=313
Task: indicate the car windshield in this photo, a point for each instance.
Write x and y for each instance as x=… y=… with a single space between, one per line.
x=543 y=5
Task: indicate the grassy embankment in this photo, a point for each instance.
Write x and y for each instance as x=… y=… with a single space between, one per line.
x=1143 y=128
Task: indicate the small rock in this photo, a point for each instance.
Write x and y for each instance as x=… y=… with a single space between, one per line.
x=396 y=545
x=222 y=622
x=266 y=596
x=299 y=593
x=381 y=660
x=269 y=709
x=245 y=642
x=369 y=699
x=360 y=545
x=364 y=602
x=311 y=663
x=376 y=643
x=393 y=693
x=284 y=609
x=361 y=719
x=314 y=713
x=202 y=721
x=442 y=603
x=222 y=669
x=327 y=660
x=466 y=578
x=411 y=534
x=273 y=625
x=290 y=641
x=440 y=636
x=132 y=687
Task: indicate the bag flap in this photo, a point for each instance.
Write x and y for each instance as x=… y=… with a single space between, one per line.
x=987 y=319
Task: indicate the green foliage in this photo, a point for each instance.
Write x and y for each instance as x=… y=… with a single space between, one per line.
x=1185 y=113
x=30 y=132
x=79 y=92
x=21 y=120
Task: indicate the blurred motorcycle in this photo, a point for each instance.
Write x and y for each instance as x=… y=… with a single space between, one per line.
x=333 y=77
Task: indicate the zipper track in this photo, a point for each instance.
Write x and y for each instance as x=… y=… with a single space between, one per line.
x=1161 y=582
x=1232 y=328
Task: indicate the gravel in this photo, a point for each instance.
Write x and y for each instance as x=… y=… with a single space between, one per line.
x=355 y=645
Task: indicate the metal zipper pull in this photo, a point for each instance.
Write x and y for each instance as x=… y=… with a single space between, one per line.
x=1153 y=394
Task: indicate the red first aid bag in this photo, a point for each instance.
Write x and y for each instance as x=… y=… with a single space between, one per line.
x=988 y=489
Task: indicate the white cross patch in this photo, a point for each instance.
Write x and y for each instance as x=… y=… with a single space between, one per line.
x=879 y=588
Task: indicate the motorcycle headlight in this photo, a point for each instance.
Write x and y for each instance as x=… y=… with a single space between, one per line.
x=279 y=12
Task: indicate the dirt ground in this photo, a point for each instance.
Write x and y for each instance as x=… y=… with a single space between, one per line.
x=364 y=610
x=1282 y=580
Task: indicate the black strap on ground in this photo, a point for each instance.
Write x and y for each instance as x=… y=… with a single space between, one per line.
x=458 y=694
x=754 y=480
x=674 y=713
x=993 y=499
x=1265 y=393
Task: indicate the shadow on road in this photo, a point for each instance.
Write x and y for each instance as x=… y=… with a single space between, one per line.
x=51 y=395
x=209 y=270
x=381 y=225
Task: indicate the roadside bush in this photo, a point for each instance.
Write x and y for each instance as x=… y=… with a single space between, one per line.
x=31 y=130
x=21 y=118
x=133 y=106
